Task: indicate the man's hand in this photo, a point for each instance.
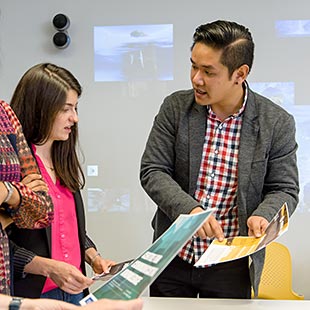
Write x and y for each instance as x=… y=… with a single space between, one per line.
x=256 y=226
x=210 y=228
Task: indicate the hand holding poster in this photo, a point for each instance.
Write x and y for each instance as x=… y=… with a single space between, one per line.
x=131 y=281
x=237 y=247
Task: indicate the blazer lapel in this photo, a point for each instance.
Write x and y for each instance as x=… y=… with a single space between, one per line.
x=197 y=132
x=247 y=147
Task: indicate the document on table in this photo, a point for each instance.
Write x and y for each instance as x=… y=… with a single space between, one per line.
x=237 y=247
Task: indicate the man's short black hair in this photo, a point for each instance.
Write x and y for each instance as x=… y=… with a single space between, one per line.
x=233 y=39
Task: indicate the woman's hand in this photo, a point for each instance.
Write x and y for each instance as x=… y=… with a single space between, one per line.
x=65 y=276
x=35 y=182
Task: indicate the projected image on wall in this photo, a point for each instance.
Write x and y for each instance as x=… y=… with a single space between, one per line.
x=133 y=53
x=281 y=93
x=108 y=200
x=292 y=28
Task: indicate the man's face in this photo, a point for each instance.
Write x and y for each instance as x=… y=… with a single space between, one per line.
x=210 y=78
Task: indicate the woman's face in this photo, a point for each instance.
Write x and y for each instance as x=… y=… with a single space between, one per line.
x=65 y=118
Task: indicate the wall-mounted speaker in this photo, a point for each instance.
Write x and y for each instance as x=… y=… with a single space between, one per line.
x=61 y=38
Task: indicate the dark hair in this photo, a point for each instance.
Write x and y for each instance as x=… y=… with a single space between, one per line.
x=233 y=39
x=39 y=96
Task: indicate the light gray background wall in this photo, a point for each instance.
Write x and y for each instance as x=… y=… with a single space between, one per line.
x=115 y=118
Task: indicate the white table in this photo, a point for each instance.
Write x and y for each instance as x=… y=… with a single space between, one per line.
x=155 y=303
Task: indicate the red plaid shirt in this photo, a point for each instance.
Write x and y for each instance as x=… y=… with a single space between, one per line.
x=16 y=161
x=217 y=182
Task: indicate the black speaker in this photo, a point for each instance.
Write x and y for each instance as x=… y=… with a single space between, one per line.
x=61 y=38
x=61 y=22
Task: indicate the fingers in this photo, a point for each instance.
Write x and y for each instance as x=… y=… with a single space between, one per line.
x=31 y=177
x=201 y=233
x=212 y=229
x=75 y=285
x=216 y=229
x=38 y=185
x=69 y=278
x=101 y=265
x=107 y=264
x=256 y=226
x=35 y=182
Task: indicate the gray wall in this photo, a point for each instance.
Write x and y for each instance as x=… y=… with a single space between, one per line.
x=115 y=117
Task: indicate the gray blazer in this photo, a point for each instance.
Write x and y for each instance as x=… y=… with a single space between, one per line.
x=267 y=167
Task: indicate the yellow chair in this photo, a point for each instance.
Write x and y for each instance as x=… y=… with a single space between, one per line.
x=276 y=281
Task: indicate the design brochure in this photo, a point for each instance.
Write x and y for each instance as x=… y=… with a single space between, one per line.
x=132 y=280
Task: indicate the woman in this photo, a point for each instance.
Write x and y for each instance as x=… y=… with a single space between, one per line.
x=30 y=210
x=45 y=101
x=17 y=201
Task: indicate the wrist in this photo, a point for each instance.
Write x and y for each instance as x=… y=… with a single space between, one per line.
x=15 y=303
x=93 y=258
x=40 y=266
x=29 y=304
x=10 y=190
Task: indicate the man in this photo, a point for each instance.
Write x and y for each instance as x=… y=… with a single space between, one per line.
x=220 y=146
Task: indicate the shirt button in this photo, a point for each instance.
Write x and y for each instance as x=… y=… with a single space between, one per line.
x=58 y=196
x=66 y=255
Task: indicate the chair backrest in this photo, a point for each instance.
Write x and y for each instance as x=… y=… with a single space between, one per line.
x=276 y=280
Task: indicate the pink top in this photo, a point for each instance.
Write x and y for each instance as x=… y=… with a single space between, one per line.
x=64 y=228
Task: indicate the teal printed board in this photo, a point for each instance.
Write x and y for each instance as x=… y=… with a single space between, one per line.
x=134 y=279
